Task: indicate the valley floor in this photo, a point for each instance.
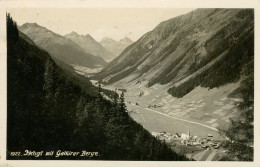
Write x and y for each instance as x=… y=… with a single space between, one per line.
x=202 y=108
x=201 y=112
x=155 y=121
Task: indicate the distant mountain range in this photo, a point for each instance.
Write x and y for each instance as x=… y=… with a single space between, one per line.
x=115 y=47
x=206 y=47
x=90 y=45
x=60 y=47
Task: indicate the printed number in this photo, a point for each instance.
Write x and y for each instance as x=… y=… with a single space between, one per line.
x=15 y=153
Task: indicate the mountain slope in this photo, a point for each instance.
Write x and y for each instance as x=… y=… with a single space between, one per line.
x=47 y=110
x=90 y=45
x=60 y=47
x=204 y=41
x=115 y=47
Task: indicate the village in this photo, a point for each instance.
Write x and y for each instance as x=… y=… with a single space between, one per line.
x=187 y=139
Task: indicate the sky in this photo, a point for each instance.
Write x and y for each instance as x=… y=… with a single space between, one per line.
x=115 y=23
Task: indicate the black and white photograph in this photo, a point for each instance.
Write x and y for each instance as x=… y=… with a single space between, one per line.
x=130 y=84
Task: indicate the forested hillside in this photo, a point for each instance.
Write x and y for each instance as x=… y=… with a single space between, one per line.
x=240 y=132
x=48 y=110
x=206 y=47
x=238 y=61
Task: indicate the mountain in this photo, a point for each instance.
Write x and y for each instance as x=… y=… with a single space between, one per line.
x=49 y=110
x=59 y=47
x=90 y=45
x=206 y=47
x=125 y=41
x=115 y=47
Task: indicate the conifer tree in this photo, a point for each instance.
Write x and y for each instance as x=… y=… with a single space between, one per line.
x=99 y=91
x=122 y=103
x=12 y=30
x=240 y=133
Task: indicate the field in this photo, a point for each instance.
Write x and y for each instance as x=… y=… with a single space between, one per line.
x=156 y=122
x=209 y=107
x=201 y=112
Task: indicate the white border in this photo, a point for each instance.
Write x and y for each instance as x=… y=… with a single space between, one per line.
x=123 y=4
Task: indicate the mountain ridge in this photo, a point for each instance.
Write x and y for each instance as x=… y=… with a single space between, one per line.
x=60 y=47
x=178 y=47
x=90 y=45
x=116 y=47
